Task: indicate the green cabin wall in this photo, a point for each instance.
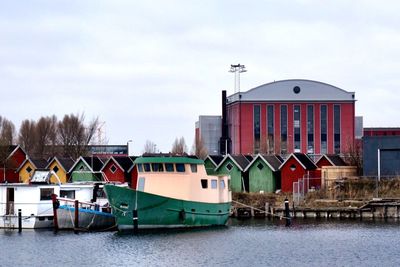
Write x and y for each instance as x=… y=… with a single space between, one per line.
x=235 y=174
x=210 y=167
x=261 y=180
x=78 y=176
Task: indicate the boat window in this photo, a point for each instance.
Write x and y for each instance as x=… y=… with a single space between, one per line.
x=157 y=167
x=193 y=167
x=67 y=193
x=204 y=183
x=214 y=183
x=222 y=184
x=45 y=193
x=140 y=167
x=169 y=167
x=180 y=167
x=141 y=184
x=147 y=167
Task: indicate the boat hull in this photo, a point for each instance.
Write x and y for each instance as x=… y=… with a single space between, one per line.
x=154 y=211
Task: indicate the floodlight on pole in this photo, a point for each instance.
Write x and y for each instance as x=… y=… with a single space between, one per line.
x=237 y=69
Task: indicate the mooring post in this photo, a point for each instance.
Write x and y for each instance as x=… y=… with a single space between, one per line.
x=76 y=221
x=19 y=220
x=287 y=212
x=55 y=207
x=267 y=210
x=135 y=221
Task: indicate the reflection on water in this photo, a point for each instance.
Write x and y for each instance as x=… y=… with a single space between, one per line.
x=242 y=243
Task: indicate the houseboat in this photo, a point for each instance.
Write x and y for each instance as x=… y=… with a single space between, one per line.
x=170 y=192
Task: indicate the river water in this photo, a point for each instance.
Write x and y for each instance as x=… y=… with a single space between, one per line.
x=243 y=243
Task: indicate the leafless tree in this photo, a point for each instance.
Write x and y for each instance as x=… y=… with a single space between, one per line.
x=353 y=157
x=199 y=149
x=7 y=133
x=46 y=133
x=27 y=136
x=149 y=147
x=179 y=147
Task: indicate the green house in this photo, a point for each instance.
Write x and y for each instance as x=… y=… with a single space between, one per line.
x=264 y=174
x=211 y=162
x=86 y=169
x=235 y=165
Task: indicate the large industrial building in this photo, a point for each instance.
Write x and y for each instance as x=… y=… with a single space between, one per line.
x=289 y=116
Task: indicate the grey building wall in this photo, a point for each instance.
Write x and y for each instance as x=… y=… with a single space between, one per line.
x=359 y=126
x=210 y=128
x=390 y=155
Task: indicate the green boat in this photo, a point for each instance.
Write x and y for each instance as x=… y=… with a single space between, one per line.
x=170 y=192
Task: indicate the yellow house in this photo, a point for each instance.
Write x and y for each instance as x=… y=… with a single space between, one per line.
x=61 y=167
x=28 y=167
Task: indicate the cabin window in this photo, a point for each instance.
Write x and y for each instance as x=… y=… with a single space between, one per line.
x=82 y=168
x=29 y=169
x=45 y=193
x=214 y=183
x=67 y=193
x=147 y=167
x=204 y=183
x=292 y=167
x=140 y=168
x=193 y=167
x=222 y=184
x=180 y=167
x=260 y=166
x=157 y=167
x=229 y=167
x=141 y=184
x=169 y=167
x=55 y=169
x=113 y=169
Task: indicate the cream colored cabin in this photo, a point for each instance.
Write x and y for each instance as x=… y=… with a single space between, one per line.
x=178 y=179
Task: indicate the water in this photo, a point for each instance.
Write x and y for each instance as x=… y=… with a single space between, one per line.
x=243 y=243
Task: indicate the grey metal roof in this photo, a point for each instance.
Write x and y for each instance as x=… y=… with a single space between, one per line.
x=284 y=91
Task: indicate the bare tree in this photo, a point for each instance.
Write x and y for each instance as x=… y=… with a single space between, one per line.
x=27 y=136
x=199 y=149
x=149 y=147
x=7 y=132
x=179 y=147
x=46 y=132
x=354 y=157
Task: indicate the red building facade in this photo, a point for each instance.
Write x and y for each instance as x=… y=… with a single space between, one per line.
x=8 y=168
x=291 y=116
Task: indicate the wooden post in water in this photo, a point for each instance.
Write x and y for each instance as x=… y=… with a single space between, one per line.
x=287 y=212
x=55 y=207
x=76 y=221
x=135 y=222
x=19 y=220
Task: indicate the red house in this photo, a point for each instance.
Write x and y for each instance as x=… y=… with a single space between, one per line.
x=120 y=169
x=8 y=168
x=296 y=167
x=330 y=160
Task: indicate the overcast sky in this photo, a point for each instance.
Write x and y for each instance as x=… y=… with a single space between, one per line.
x=148 y=69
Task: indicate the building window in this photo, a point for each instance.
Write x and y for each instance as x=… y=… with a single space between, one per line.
x=67 y=193
x=222 y=184
x=260 y=166
x=113 y=169
x=147 y=167
x=292 y=167
x=270 y=129
x=55 y=169
x=204 y=183
x=141 y=183
x=324 y=129
x=229 y=166
x=28 y=169
x=140 y=167
x=296 y=128
x=82 y=168
x=256 y=127
x=284 y=129
x=214 y=184
x=45 y=193
x=180 y=167
x=336 y=128
x=193 y=167
x=157 y=167
x=310 y=129
x=169 y=167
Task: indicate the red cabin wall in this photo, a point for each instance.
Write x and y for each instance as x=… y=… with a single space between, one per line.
x=323 y=162
x=288 y=177
x=117 y=176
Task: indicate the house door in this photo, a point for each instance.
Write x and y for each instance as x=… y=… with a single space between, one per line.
x=10 y=201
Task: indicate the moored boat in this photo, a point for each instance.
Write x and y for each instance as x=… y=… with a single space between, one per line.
x=170 y=192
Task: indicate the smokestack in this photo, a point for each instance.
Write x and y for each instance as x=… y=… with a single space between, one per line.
x=224 y=141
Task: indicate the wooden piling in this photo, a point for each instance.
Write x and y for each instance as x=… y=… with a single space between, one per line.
x=76 y=219
x=135 y=222
x=55 y=207
x=19 y=220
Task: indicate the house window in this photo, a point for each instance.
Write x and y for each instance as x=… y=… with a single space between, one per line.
x=82 y=168
x=256 y=128
x=296 y=127
x=169 y=167
x=260 y=166
x=324 y=129
x=113 y=169
x=292 y=167
x=229 y=166
x=214 y=183
x=310 y=129
x=180 y=167
x=28 y=169
x=222 y=184
x=204 y=183
x=45 y=193
x=193 y=167
x=284 y=129
x=270 y=129
x=55 y=169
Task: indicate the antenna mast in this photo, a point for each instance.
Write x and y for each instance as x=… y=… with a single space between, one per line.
x=237 y=69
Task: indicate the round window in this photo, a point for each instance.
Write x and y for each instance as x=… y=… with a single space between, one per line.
x=296 y=89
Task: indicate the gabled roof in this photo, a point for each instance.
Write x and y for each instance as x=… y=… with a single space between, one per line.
x=93 y=163
x=12 y=149
x=124 y=163
x=65 y=163
x=303 y=159
x=37 y=163
x=271 y=160
x=333 y=159
x=215 y=159
x=239 y=160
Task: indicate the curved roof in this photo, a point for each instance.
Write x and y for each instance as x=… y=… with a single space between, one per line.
x=294 y=90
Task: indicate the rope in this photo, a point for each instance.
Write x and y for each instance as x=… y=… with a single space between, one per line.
x=261 y=211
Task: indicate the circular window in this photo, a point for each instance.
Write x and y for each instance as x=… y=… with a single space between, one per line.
x=296 y=89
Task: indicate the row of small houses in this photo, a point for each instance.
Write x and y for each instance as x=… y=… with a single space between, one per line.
x=260 y=173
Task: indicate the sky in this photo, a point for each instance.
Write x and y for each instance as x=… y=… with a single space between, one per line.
x=148 y=69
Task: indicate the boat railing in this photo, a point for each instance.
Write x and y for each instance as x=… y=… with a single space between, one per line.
x=81 y=204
